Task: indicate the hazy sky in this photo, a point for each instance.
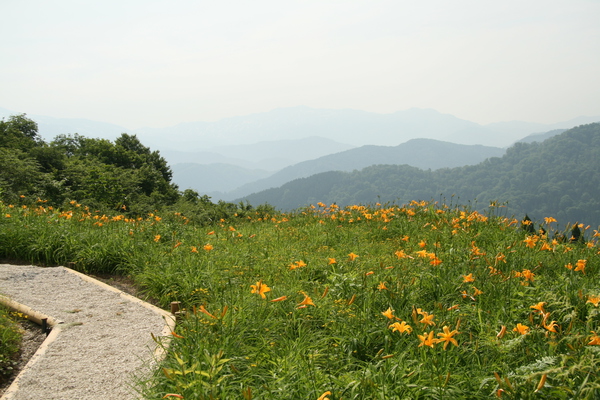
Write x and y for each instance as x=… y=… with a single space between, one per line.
x=157 y=63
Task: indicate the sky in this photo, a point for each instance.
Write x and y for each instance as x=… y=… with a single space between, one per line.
x=150 y=63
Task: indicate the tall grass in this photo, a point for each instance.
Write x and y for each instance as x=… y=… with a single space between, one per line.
x=10 y=341
x=421 y=301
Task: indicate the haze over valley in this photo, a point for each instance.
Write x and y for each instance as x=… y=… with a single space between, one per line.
x=239 y=97
x=235 y=157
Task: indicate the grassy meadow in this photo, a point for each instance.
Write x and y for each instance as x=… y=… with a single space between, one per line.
x=415 y=301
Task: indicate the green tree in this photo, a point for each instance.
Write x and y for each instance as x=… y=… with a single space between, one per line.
x=19 y=132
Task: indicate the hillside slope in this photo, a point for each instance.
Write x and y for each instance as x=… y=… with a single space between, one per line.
x=559 y=177
x=421 y=153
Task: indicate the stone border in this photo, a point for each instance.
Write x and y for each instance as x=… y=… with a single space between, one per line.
x=56 y=326
x=36 y=317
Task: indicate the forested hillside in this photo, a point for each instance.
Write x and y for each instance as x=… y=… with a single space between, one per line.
x=422 y=153
x=99 y=174
x=559 y=177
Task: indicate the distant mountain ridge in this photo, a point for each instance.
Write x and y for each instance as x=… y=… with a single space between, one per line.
x=353 y=127
x=271 y=156
x=284 y=137
x=559 y=177
x=421 y=153
x=347 y=126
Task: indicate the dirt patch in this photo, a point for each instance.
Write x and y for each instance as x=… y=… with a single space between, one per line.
x=31 y=340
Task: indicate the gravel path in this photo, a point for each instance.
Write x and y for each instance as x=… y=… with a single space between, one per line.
x=104 y=340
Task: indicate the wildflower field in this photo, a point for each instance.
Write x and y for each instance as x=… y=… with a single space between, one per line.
x=415 y=301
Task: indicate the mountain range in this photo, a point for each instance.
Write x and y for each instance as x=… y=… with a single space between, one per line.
x=236 y=156
x=558 y=177
x=421 y=153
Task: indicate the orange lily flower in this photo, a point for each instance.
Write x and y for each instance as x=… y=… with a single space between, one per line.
x=447 y=337
x=539 y=307
x=324 y=396
x=260 y=289
x=306 y=302
x=400 y=327
x=595 y=300
x=427 y=339
x=580 y=266
x=522 y=329
x=427 y=318
x=389 y=313
x=594 y=340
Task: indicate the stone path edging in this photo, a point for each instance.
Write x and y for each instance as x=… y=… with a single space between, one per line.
x=129 y=304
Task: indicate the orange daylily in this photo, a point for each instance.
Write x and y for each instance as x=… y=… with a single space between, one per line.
x=324 y=396
x=539 y=307
x=389 y=313
x=527 y=274
x=522 y=329
x=260 y=288
x=422 y=253
x=401 y=254
x=580 y=266
x=427 y=339
x=205 y=311
x=400 y=327
x=594 y=340
x=306 y=302
x=468 y=278
x=447 y=337
x=435 y=261
x=427 y=318
x=530 y=241
x=551 y=326
x=595 y=300
x=297 y=264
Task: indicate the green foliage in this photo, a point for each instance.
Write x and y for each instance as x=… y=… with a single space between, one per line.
x=19 y=132
x=98 y=173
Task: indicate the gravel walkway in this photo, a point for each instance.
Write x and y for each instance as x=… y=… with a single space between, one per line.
x=102 y=344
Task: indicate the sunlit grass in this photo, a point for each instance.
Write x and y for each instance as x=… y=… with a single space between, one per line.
x=383 y=301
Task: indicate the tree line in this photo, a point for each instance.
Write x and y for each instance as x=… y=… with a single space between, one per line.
x=123 y=175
